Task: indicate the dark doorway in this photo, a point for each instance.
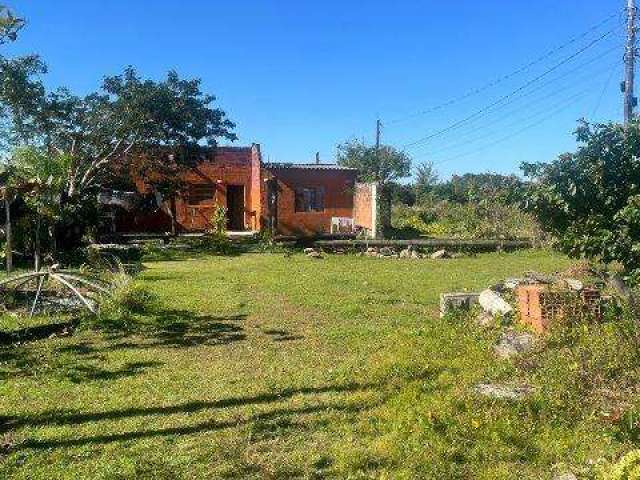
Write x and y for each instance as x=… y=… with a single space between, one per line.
x=235 y=207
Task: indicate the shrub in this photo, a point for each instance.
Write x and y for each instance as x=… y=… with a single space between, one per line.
x=627 y=468
x=126 y=301
x=589 y=200
x=588 y=367
x=218 y=222
x=471 y=220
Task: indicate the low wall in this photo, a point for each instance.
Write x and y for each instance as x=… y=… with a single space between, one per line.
x=431 y=243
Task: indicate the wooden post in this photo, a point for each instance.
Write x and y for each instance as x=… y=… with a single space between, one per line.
x=8 y=233
x=630 y=61
x=36 y=253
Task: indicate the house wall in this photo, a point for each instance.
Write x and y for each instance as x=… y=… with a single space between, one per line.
x=243 y=166
x=256 y=198
x=338 y=199
x=229 y=166
x=365 y=207
x=224 y=166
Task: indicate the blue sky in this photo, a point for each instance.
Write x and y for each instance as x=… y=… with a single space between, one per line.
x=300 y=76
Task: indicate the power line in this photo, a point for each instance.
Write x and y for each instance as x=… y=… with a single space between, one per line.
x=538 y=113
x=515 y=134
x=604 y=89
x=536 y=101
x=544 y=85
x=507 y=76
x=511 y=94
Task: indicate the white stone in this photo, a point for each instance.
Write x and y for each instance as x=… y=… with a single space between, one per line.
x=485 y=319
x=493 y=303
x=574 y=284
x=512 y=283
x=565 y=476
x=458 y=300
x=503 y=392
x=440 y=254
x=513 y=343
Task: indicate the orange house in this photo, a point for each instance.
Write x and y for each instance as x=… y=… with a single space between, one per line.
x=287 y=199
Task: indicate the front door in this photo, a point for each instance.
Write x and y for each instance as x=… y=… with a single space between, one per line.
x=235 y=207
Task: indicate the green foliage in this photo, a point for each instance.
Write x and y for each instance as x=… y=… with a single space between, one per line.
x=477 y=187
x=471 y=220
x=10 y=25
x=590 y=199
x=627 y=468
x=126 y=301
x=218 y=221
x=382 y=165
x=426 y=179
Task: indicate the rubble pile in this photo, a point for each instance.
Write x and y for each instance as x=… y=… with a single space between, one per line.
x=535 y=301
x=408 y=253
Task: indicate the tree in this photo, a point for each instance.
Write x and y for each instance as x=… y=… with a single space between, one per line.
x=426 y=179
x=127 y=118
x=590 y=199
x=10 y=25
x=383 y=165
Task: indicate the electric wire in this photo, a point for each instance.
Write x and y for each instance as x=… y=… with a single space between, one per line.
x=507 y=76
x=508 y=96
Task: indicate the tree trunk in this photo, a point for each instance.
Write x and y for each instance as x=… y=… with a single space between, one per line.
x=36 y=250
x=172 y=212
x=9 y=235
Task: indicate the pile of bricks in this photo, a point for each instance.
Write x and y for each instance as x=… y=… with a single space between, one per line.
x=541 y=305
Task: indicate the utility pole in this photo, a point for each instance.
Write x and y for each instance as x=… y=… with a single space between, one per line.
x=378 y=128
x=630 y=61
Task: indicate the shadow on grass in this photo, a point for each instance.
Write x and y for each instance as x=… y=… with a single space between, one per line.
x=282 y=335
x=39 y=332
x=59 y=418
x=87 y=373
x=173 y=328
x=84 y=361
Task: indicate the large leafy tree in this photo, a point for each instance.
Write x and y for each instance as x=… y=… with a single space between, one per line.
x=128 y=116
x=105 y=132
x=384 y=165
x=590 y=199
x=10 y=25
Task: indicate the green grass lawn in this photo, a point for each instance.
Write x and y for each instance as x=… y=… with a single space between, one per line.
x=275 y=367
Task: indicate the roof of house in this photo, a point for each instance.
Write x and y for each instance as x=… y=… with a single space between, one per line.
x=307 y=166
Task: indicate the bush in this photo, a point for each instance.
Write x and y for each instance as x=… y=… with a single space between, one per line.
x=589 y=200
x=588 y=367
x=627 y=468
x=126 y=302
x=471 y=220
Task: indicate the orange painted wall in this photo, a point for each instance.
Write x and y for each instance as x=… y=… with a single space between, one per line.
x=229 y=166
x=338 y=199
x=363 y=208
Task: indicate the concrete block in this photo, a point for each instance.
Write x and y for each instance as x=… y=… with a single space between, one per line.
x=458 y=300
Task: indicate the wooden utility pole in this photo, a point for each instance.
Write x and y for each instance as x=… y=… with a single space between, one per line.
x=8 y=232
x=378 y=128
x=630 y=62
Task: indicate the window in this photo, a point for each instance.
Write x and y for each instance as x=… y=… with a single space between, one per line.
x=201 y=193
x=310 y=199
